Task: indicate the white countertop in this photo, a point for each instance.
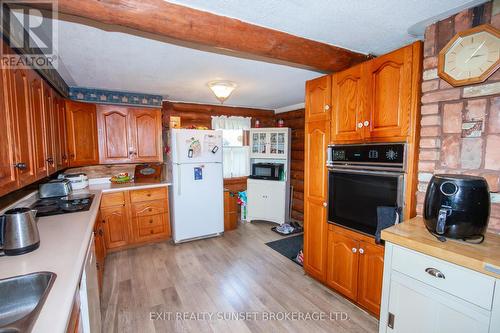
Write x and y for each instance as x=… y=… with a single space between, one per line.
x=64 y=240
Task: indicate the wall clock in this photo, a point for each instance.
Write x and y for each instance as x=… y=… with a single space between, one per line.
x=471 y=56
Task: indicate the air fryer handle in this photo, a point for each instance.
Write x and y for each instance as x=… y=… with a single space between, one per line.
x=441 y=221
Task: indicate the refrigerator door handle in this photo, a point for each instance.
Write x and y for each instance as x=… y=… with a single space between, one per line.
x=179 y=177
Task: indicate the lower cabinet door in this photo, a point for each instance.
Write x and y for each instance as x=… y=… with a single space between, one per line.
x=415 y=307
x=342 y=265
x=114 y=220
x=371 y=268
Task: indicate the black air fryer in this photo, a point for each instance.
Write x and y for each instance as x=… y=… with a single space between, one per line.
x=457 y=206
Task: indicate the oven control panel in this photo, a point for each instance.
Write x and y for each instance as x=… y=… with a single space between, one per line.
x=392 y=154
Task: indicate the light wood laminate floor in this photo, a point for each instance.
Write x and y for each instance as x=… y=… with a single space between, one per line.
x=225 y=276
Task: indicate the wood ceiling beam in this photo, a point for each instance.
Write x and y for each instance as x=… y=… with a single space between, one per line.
x=202 y=28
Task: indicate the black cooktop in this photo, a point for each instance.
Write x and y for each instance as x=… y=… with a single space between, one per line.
x=63 y=205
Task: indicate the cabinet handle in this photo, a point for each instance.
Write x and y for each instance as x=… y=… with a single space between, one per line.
x=325 y=204
x=435 y=272
x=100 y=232
x=366 y=123
x=360 y=125
x=327 y=107
x=361 y=251
x=50 y=160
x=103 y=221
x=21 y=166
x=150 y=221
x=71 y=155
x=354 y=250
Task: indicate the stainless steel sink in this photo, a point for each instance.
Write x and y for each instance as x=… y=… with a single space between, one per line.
x=21 y=299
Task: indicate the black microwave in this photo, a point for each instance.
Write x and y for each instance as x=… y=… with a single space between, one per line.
x=267 y=171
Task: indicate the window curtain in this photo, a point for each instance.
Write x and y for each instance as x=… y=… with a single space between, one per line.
x=236 y=160
x=224 y=122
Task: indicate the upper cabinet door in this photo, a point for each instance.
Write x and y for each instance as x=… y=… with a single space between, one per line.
x=50 y=128
x=318 y=99
x=8 y=180
x=389 y=95
x=145 y=133
x=113 y=124
x=63 y=135
x=349 y=99
x=82 y=133
x=23 y=122
x=40 y=140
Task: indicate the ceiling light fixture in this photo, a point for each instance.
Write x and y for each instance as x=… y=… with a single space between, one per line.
x=222 y=89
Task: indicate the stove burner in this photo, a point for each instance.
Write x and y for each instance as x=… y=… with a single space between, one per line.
x=45 y=209
x=63 y=205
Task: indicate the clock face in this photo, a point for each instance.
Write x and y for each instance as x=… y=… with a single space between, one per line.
x=471 y=58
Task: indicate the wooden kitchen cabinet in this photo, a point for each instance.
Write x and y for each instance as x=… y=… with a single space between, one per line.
x=135 y=217
x=8 y=178
x=230 y=210
x=389 y=94
x=355 y=267
x=371 y=269
x=315 y=198
x=375 y=101
x=129 y=135
x=61 y=150
x=349 y=91
x=50 y=128
x=81 y=120
x=342 y=264
x=41 y=138
x=318 y=99
x=100 y=249
x=115 y=221
x=145 y=130
x=19 y=102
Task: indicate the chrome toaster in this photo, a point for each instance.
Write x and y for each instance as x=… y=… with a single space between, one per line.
x=55 y=188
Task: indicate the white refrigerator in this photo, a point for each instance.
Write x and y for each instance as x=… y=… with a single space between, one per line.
x=197 y=193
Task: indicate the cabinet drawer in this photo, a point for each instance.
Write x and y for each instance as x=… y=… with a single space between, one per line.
x=148 y=208
x=148 y=194
x=150 y=221
x=143 y=232
x=113 y=199
x=461 y=282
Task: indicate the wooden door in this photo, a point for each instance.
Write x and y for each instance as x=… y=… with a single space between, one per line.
x=343 y=264
x=371 y=267
x=315 y=197
x=114 y=220
x=389 y=95
x=348 y=99
x=318 y=99
x=50 y=128
x=40 y=138
x=113 y=125
x=81 y=120
x=145 y=134
x=8 y=180
x=23 y=122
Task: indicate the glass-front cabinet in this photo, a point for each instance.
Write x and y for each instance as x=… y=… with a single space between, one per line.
x=269 y=142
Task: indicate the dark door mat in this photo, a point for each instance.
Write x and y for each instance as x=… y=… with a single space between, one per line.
x=289 y=247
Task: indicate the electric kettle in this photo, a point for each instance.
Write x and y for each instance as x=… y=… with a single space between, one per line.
x=19 y=231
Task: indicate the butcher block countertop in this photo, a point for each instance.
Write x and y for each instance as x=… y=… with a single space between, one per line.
x=483 y=258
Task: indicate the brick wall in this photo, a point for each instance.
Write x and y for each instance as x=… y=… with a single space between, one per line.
x=448 y=144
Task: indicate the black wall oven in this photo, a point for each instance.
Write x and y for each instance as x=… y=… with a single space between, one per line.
x=362 y=178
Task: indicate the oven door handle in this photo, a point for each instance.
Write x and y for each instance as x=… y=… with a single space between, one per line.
x=368 y=172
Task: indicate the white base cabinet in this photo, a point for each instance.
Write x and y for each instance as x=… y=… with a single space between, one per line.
x=267 y=200
x=425 y=294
